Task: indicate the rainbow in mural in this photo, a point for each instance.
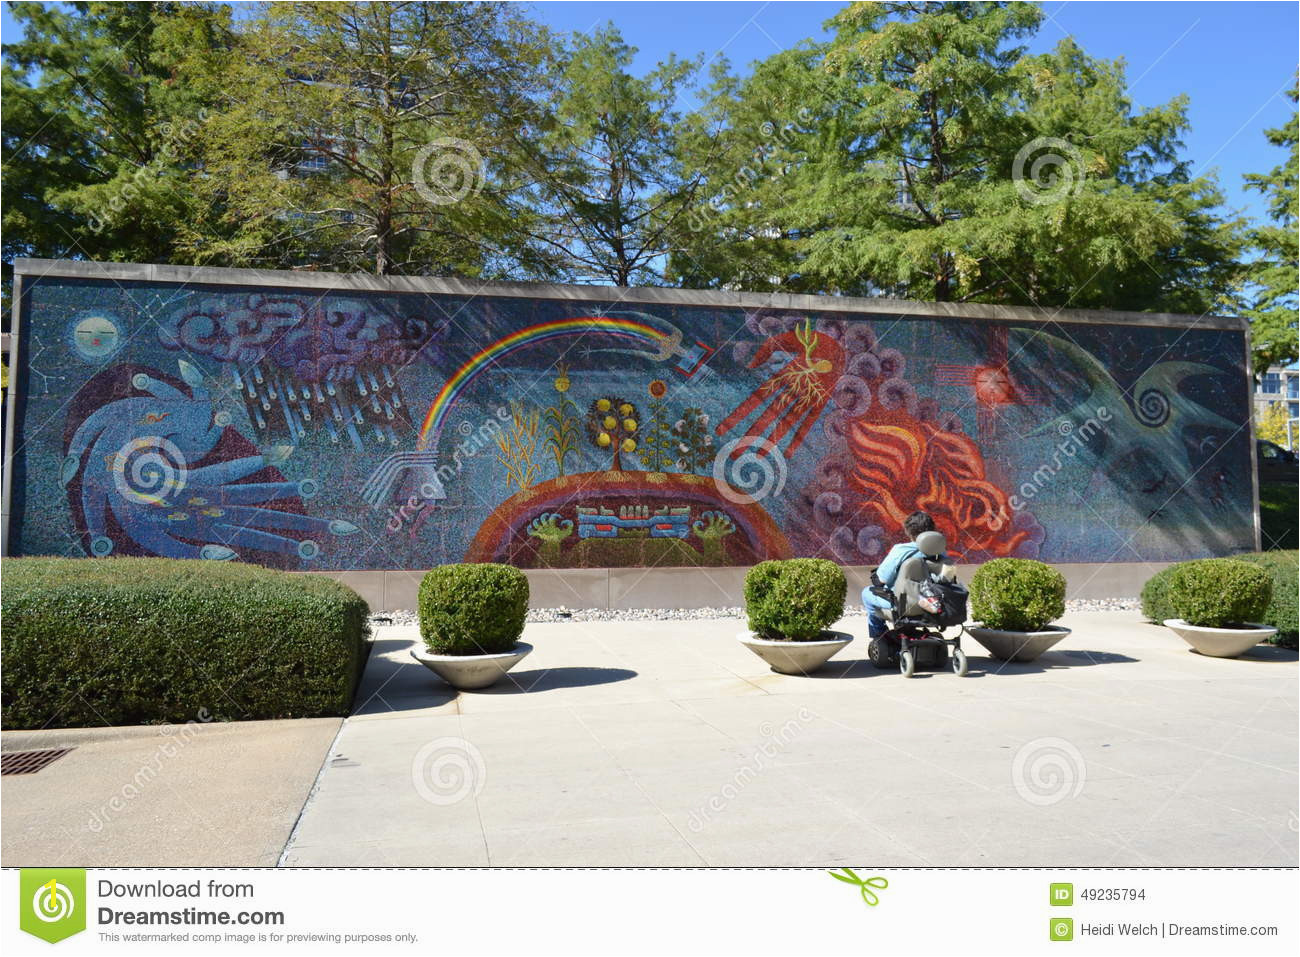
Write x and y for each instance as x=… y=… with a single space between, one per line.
x=625 y=329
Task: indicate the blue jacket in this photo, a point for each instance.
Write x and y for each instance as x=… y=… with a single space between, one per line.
x=888 y=572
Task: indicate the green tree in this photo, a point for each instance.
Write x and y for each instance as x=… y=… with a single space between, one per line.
x=1276 y=270
x=376 y=134
x=922 y=153
x=98 y=136
x=609 y=191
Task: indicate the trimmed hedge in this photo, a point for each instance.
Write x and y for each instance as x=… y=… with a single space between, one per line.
x=114 y=641
x=1017 y=594
x=795 y=599
x=1155 y=597
x=1219 y=592
x=1284 y=609
x=475 y=609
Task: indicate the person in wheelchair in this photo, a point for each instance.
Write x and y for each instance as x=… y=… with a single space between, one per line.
x=922 y=600
x=914 y=525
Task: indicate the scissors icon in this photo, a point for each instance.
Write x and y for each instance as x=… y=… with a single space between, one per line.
x=865 y=886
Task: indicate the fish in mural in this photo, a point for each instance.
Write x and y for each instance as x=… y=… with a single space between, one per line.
x=155 y=471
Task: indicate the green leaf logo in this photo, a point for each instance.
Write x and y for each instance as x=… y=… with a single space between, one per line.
x=52 y=902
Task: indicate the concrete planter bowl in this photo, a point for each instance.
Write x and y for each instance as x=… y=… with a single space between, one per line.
x=1017 y=645
x=1220 y=642
x=790 y=657
x=470 y=672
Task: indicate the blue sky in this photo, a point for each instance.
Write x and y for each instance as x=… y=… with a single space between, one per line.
x=1235 y=60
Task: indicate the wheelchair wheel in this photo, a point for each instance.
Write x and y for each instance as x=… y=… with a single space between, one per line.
x=882 y=654
x=907 y=664
x=959 y=663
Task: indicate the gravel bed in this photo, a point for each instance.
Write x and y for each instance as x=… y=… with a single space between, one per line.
x=540 y=615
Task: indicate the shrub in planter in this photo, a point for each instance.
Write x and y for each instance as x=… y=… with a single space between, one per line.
x=89 y=642
x=1155 y=597
x=795 y=599
x=1284 y=609
x=1017 y=594
x=1219 y=592
x=475 y=609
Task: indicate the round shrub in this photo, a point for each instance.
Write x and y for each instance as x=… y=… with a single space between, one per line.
x=1155 y=597
x=794 y=599
x=1284 y=610
x=474 y=609
x=1017 y=594
x=1219 y=592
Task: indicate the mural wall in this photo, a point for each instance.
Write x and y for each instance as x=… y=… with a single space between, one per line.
x=369 y=431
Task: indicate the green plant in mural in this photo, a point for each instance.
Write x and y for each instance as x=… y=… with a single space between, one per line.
x=518 y=445
x=711 y=528
x=658 y=444
x=611 y=425
x=562 y=423
x=694 y=449
x=550 y=529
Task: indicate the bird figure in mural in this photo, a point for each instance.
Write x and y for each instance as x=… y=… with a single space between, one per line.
x=796 y=393
x=1136 y=437
x=147 y=474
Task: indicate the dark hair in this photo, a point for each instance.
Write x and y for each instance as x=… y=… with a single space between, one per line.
x=918 y=522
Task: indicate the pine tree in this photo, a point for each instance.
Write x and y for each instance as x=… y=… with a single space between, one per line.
x=1277 y=270
x=923 y=153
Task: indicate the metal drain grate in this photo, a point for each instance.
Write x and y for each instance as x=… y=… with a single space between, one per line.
x=29 y=762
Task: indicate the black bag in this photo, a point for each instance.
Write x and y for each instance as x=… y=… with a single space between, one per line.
x=949 y=598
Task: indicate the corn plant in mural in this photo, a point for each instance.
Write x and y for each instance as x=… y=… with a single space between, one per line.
x=562 y=422
x=518 y=445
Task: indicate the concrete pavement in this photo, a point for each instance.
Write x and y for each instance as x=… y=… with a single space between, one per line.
x=175 y=795
x=645 y=743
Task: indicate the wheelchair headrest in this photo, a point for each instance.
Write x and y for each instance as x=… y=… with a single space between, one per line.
x=931 y=544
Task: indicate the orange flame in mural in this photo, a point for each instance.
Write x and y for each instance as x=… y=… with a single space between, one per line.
x=904 y=464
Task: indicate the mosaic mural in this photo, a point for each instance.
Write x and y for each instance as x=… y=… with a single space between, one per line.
x=368 y=431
